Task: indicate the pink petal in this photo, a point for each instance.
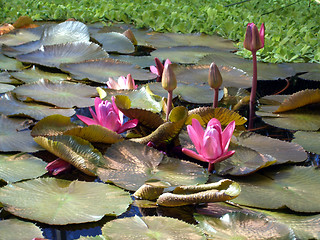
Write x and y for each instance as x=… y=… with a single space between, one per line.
x=111 y=121
x=122 y=82
x=214 y=122
x=223 y=157
x=88 y=121
x=261 y=33
x=113 y=84
x=154 y=70
x=167 y=62
x=98 y=106
x=130 y=124
x=211 y=148
x=116 y=109
x=194 y=155
x=58 y=166
x=93 y=114
x=227 y=134
x=196 y=132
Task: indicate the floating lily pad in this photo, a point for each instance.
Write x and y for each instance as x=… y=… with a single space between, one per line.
x=17 y=167
x=20 y=36
x=62 y=94
x=100 y=70
x=187 y=92
x=130 y=164
x=5 y=78
x=10 y=64
x=54 y=55
x=238 y=225
x=65 y=32
x=34 y=74
x=6 y=87
x=232 y=77
x=98 y=237
x=10 y=106
x=52 y=125
x=149 y=228
x=77 y=151
x=114 y=42
x=141 y=61
x=305 y=118
x=13 y=229
x=310 y=141
x=292 y=187
x=182 y=54
x=13 y=140
x=59 y=202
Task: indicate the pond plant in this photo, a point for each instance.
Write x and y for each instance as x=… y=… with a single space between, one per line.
x=159 y=156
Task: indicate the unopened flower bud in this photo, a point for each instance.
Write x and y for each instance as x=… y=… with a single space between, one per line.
x=214 y=78
x=254 y=39
x=169 y=81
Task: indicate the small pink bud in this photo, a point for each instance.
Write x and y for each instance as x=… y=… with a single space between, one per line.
x=214 y=78
x=169 y=81
x=254 y=40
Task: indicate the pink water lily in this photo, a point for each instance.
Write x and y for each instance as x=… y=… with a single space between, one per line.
x=122 y=83
x=108 y=115
x=211 y=144
x=158 y=69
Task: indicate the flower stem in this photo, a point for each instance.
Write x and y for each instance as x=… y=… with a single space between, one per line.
x=215 y=99
x=169 y=104
x=211 y=167
x=253 y=90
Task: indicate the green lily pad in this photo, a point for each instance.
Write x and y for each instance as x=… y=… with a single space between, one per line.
x=34 y=74
x=150 y=228
x=238 y=225
x=6 y=88
x=182 y=54
x=129 y=165
x=77 y=151
x=141 y=61
x=100 y=70
x=65 y=32
x=292 y=187
x=232 y=77
x=187 y=92
x=5 y=78
x=10 y=106
x=11 y=139
x=21 y=36
x=54 y=55
x=310 y=141
x=13 y=229
x=114 y=42
x=62 y=94
x=10 y=64
x=14 y=168
x=60 y=202
x=98 y=237
x=52 y=125
x=306 y=118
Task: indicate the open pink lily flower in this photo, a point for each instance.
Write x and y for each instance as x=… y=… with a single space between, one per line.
x=158 y=69
x=211 y=144
x=108 y=115
x=123 y=83
x=254 y=40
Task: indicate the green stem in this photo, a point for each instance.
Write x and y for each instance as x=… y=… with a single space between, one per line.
x=253 y=90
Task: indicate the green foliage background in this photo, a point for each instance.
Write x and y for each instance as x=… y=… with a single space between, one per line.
x=292 y=26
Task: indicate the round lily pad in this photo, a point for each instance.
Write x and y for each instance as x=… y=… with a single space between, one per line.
x=10 y=64
x=21 y=166
x=13 y=229
x=10 y=106
x=62 y=94
x=310 y=141
x=59 y=202
x=100 y=70
x=293 y=187
x=129 y=165
x=54 y=55
x=238 y=225
x=149 y=228
x=6 y=88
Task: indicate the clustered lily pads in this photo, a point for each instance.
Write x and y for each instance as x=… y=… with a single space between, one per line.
x=153 y=135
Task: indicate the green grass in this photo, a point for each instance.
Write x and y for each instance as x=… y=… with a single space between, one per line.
x=292 y=26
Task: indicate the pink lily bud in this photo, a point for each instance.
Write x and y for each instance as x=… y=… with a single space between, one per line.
x=214 y=78
x=254 y=40
x=211 y=144
x=158 y=69
x=58 y=166
x=169 y=81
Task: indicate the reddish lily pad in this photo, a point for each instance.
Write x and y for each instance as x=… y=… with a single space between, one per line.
x=100 y=70
x=62 y=94
x=129 y=165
